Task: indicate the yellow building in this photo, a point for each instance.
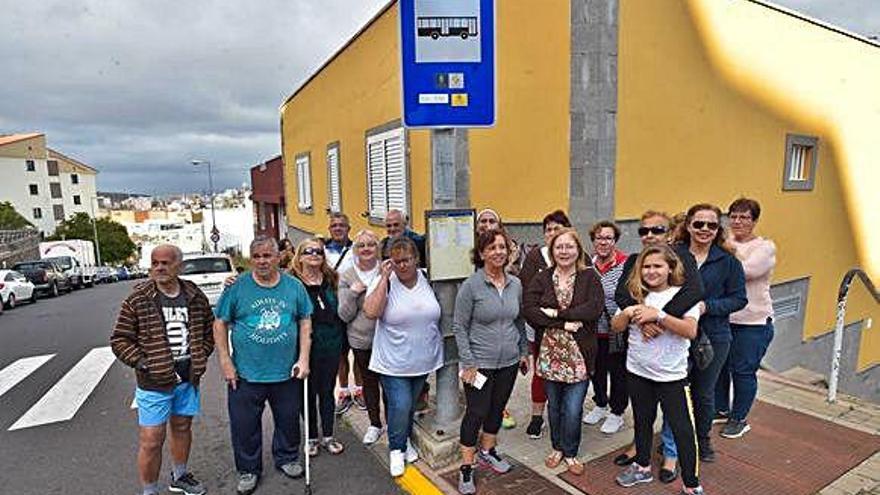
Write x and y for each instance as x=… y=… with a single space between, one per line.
x=607 y=111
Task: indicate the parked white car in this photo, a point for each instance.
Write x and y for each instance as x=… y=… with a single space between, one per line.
x=14 y=288
x=208 y=271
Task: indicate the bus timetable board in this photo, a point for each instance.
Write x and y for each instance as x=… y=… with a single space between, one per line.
x=448 y=63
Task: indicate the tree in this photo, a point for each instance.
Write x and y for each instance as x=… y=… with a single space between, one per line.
x=116 y=246
x=11 y=219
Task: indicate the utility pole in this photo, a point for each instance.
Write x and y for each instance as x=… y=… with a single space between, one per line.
x=95 y=229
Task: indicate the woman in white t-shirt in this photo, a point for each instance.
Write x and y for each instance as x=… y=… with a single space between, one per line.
x=657 y=364
x=407 y=344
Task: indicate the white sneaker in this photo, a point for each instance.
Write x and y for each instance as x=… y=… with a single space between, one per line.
x=613 y=423
x=372 y=435
x=396 y=463
x=412 y=455
x=596 y=415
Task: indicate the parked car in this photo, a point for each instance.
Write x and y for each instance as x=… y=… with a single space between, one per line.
x=122 y=273
x=105 y=275
x=14 y=288
x=47 y=277
x=208 y=271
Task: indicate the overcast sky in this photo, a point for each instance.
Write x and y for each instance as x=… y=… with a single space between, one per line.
x=139 y=88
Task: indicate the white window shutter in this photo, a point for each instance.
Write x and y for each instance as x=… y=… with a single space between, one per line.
x=386 y=173
x=334 y=193
x=376 y=187
x=395 y=157
x=303 y=183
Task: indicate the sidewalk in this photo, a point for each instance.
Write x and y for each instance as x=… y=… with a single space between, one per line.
x=858 y=416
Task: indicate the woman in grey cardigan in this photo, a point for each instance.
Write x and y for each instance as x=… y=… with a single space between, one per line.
x=353 y=285
x=491 y=346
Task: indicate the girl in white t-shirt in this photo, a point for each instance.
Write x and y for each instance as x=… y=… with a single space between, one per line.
x=656 y=363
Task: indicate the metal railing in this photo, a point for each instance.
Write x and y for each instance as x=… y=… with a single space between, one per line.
x=838 y=327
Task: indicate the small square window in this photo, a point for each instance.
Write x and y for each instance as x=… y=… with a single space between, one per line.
x=76 y=199
x=34 y=189
x=801 y=160
x=74 y=178
x=30 y=166
x=38 y=213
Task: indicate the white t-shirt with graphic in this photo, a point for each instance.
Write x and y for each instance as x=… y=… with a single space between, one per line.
x=664 y=357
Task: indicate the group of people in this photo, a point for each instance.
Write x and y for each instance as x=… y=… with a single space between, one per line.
x=568 y=317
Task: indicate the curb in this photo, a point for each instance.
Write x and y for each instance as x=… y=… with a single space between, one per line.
x=414 y=482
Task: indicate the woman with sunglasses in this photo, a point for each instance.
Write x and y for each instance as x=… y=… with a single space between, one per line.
x=353 y=285
x=752 y=326
x=563 y=304
x=407 y=345
x=536 y=262
x=724 y=283
x=310 y=266
x=655 y=230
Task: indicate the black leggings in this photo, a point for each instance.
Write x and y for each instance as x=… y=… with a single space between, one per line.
x=674 y=399
x=613 y=365
x=486 y=406
x=322 y=381
x=370 y=381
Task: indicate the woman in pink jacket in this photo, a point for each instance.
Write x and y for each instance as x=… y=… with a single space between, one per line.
x=752 y=326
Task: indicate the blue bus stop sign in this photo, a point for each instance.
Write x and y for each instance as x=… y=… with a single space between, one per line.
x=448 y=62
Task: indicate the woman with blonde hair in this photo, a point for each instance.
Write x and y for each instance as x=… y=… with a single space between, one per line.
x=310 y=266
x=563 y=303
x=353 y=284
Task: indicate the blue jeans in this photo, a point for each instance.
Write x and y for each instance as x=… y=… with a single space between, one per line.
x=401 y=394
x=565 y=405
x=750 y=343
x=703 y=389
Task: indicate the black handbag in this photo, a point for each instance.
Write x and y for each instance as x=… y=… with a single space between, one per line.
x=701 y=351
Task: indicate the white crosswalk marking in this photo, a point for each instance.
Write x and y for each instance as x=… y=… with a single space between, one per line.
x=63 y=400
x=19 y=370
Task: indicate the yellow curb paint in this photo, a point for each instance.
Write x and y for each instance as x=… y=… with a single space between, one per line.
x=415 y=483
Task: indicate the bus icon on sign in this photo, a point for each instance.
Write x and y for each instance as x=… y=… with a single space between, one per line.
x=435 y=27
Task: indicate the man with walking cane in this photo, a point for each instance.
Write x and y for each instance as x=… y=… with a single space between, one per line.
x=268 y=315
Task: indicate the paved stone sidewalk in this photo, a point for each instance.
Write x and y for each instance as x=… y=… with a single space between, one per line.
x=774 y=389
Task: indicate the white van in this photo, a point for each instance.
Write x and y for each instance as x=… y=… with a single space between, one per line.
x=208 y=271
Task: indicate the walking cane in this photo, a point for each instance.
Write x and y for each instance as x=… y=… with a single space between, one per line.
x=308 y=489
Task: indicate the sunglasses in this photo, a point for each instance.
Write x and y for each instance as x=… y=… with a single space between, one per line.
x=313 y=251
x=656 y=230
x=699 y=225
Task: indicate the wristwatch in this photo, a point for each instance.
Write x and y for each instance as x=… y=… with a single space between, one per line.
x=661 y=315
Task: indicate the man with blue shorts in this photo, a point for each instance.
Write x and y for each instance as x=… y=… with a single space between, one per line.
x=164 y=331
x=266 y=315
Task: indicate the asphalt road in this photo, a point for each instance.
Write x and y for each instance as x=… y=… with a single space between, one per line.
x=53 y=357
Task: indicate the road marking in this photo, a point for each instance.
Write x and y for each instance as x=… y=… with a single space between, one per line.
x=19 y=370
x=66 y=397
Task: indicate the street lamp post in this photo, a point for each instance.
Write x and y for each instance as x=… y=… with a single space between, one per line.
x=95 y=228
x=215 y=234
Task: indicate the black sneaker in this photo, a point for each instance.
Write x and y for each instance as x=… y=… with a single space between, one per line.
x=188 y=485
x=707 y=453
x=735 y=429
x=536 y=427
x=721 y=417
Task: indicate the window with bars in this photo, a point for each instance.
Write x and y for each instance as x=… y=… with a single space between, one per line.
x=303 y=183
x=801 y=159
x=38 y=213
x=387 y=181
x=334 y=186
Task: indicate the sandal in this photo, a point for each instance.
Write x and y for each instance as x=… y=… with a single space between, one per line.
x=313 y=448
x=575 y=466
x=553 y=460
x=333 y=446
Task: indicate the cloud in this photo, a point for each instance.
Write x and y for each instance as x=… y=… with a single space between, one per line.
x=137 y=89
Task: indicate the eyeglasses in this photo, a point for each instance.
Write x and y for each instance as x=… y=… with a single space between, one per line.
x=402 y=262
x=360 y=245
x=699 y=225
x=313 y=252
x=656 y=230
x=740 y=218
x=604 y=239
